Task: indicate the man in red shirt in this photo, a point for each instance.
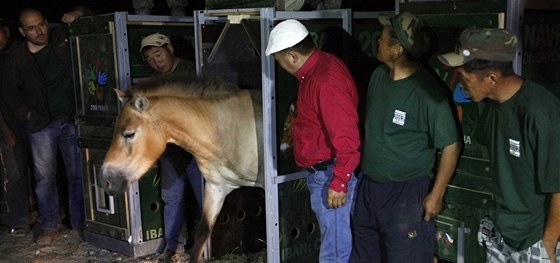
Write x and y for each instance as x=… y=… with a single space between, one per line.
x=325 y=132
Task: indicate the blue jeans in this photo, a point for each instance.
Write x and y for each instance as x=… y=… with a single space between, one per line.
x=44 y=144
x=176 y=166
x=334 y=223
x=15 y=161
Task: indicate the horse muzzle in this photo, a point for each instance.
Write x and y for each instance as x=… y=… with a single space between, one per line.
x=112 y=182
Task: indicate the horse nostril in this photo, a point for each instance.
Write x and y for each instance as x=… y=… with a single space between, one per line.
x=105 y=184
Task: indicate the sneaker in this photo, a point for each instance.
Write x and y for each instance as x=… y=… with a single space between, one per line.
x=18 y=231
x=47 y=237
x=177 y=11
x=142 y=11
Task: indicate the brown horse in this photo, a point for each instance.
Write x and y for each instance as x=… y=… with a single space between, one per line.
x=286 y=142
x=219 y=123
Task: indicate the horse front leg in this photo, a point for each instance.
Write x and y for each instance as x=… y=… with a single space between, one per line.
x=214 y=196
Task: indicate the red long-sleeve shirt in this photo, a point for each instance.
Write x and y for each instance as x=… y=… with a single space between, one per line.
x=326 y=125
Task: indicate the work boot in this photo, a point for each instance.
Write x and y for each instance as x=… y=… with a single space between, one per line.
x=47 y=237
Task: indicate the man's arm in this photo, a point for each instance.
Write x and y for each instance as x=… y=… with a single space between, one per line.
x=551 y=234
x=78 y=12
x=448 y=163
x=7 y=134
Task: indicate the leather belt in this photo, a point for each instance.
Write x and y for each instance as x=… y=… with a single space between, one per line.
x=320 y=166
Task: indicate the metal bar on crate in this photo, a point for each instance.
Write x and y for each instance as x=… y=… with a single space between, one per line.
x=461 y=231
x=269 y=144
x=123 y=70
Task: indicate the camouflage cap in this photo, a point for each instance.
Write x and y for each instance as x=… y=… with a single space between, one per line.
x=410 y=30
x=491 y=44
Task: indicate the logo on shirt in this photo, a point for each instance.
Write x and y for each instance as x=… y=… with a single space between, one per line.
x=514 y=148
x=399 y=117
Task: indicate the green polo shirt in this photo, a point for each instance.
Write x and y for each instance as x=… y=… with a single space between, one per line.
x=521 y=135
x=406 y=121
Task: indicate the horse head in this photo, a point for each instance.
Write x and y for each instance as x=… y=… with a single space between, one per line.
x=286 y=143
x=137 y=143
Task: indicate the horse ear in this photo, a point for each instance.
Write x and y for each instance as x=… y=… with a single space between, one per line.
x=140 y=103
x=121 y=95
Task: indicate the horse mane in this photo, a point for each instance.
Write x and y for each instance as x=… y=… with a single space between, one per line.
x=184 y=86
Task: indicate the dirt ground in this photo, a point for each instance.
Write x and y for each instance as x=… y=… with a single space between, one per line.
x=70 y=248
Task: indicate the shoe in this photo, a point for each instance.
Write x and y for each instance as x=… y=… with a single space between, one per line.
x=177 y=11
x=47 y=237
x=18 y=231
x=142 y=11
x=78 y=234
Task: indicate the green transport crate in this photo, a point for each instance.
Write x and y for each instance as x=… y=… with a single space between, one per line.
x=300 y=236
x=130 y=223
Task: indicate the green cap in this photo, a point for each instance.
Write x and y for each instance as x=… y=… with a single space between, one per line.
x=410 y=30
x=491 y=44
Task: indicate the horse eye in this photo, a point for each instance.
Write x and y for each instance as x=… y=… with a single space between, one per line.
x=128 y=134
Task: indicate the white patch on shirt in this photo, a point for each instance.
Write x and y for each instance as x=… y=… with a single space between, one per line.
x=399 y=117
x=514 y=148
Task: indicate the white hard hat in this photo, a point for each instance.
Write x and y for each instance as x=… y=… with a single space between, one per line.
x=284 y=35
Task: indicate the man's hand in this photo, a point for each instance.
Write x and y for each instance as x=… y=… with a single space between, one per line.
x=71 y=16
x=335 y=199
x=432 y=206
x=9 y=137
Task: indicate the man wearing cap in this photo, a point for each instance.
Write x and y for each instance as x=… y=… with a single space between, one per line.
x=176 y=165
x=408 y=118
x=158 y=51
x=519 y=125
x=325 y=132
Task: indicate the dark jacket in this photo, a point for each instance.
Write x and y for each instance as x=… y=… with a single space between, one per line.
x=9 y=117
x=23 y=85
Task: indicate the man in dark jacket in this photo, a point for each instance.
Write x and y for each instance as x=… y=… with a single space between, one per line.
x=14 y=148
x=38 y=82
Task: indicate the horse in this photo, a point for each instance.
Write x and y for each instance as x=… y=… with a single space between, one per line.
x=286 y=142
x=219 y=123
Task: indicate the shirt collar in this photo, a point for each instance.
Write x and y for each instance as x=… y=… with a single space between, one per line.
x=308 y=65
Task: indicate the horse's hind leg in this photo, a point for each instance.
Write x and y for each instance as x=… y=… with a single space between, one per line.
x=214 y=197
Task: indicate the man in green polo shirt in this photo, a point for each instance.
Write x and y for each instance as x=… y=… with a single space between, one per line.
x=519 y=125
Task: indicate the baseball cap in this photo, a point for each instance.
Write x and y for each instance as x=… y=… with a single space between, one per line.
x=491 y=44
x=154 y=40
x=410 y=30
x=284 y=35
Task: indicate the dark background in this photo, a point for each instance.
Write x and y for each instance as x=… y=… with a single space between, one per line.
x=54 y=9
